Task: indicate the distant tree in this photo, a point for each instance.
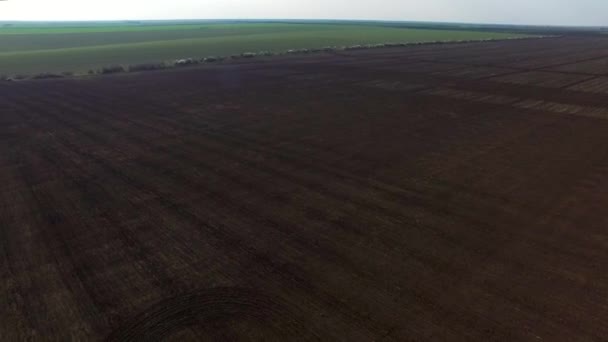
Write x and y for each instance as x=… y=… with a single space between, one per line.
x=46 y=75
x=111 y=69
x=184 y=62
x=147 y=67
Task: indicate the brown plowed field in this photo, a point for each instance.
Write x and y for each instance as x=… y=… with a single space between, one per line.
x=441 y=192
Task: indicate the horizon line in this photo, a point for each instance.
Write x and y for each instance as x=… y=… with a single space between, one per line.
x=307 y=20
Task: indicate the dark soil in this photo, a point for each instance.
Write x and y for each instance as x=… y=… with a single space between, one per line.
x=446 y=192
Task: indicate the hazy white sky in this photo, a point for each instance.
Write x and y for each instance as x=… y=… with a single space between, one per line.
x=545 y=12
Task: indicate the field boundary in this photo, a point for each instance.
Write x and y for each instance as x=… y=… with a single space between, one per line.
x=191 y=62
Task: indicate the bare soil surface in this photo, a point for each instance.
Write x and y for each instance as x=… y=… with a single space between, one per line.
x=442 y=192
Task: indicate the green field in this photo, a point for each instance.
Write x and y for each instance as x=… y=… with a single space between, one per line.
x=54 y=48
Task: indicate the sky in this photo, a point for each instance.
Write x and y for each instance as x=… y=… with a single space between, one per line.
x=539 y=12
